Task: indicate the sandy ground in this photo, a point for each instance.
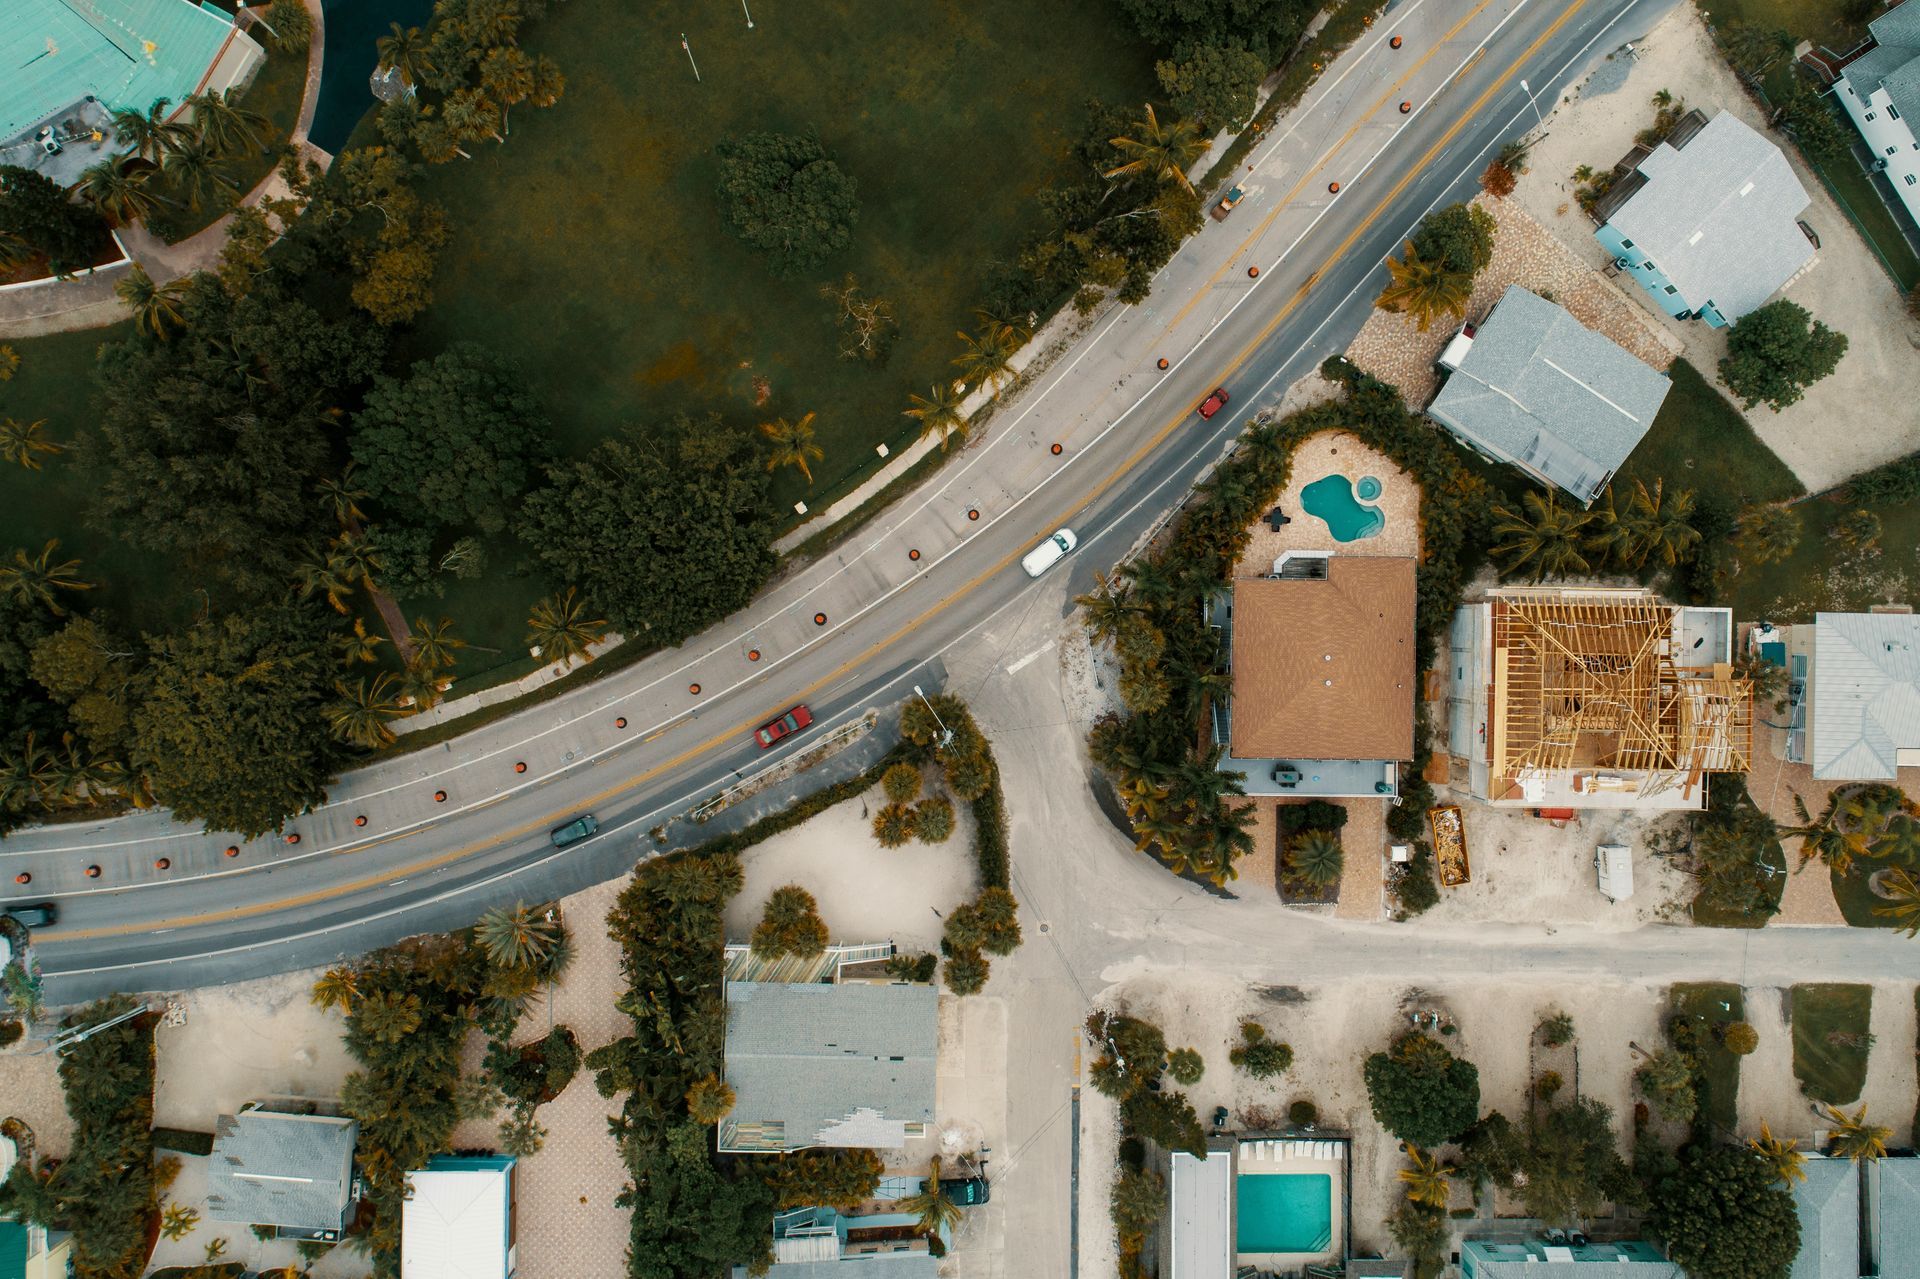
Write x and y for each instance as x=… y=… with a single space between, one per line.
x=30 y=1091
x=866 y=893
x=1768 y=1090
x=246 y=1042
x=1393 y=349
x=1846 y=287
x=1328 y=453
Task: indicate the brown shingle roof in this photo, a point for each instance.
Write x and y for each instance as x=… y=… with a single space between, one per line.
x=1324 y=669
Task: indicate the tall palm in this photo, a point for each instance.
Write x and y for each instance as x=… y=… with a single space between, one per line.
x=9 y=362
x=1427 y=1180
x=14 y=251
x=356 y=557
x=197 y=169
x=1898 y=841
x=791 y=444
x=1152 y=584
x=562 y=628
x=75 y=776
x=342 y=497
x=1165 y=830
x=36 y=581
x=119 y=194
x=471 y=115
x=1543 y=539
x=1161 y=151
x=1770 y=533
x=1852 y=1137
x=358 y=645
x=548 y=82
x=1822 y=838
x=988 y=359
x=507 y=77
x=517 y=936
x=24 y=442
x=1424 y=288
x=435 y=644
x=939 y=412
x=1228 y=838
x=150 y=135
x=325 y=576
x=228 y=127
x=1654 y=525
x=1317 y=858
x=25 y=775
x=1903 y=900
x=337 y=988
x=155 y=307
x=405 y=51
x=360 y=715
x=1107 y=606
x=937 y=1213
x=1787 y=1164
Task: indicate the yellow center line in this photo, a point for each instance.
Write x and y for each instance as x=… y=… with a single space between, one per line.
x=448 y=858
x=1321 y=163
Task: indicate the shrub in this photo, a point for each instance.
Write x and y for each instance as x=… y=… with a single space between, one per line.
x=1421 y=1092
x=1556 y=1029
x=893 y=825
x=1460 y=235
x=1303 y=1113
x=902 y=782
x=1548 y=1086
x=11 y=1032
x=906 y=967
x=1739 y=1038
x=536 y=1072
x=1415 y=885
x=933 y=820
x=790 y=925
x=1259 y=1056
x=1186 y=1066
x=1722 y=1215
x=966 y=972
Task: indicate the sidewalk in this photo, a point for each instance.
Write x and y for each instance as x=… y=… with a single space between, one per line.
x=1342 y=123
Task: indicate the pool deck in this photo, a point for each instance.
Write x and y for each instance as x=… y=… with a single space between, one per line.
x=1259 y=1158
x=1337 y=453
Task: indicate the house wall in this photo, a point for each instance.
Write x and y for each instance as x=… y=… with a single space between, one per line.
x=1648 y=275
x=1889 y=137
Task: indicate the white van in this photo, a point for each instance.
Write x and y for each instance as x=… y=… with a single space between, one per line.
x=1048 y=553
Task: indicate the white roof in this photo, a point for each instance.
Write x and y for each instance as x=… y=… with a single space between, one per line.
x=1866 y=694
x=455 y=1225
x=1201 y=1219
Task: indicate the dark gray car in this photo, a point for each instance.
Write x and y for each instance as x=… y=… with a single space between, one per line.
x=574 y=831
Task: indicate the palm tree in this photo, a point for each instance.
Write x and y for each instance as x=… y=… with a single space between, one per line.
x=121 y=195
x=1152 y=584
x=940 y=412
x=792 y=445
x=31 y=582
x=1822 y=838
x=1899 y=840
x=1162 y=151
x=195 y=167
x=421 y=685
x=1428 y=1181
x=471 y=115
x=507 y=76
x=155 y=307
x=24 y=442
x=340 y=496
x=1786 y=1163
x=1770 y=533
x=324 y=576
x=937 y=1213
x=1652 y=525
x=1424 y=289
x=1107 y=606
x=1316 y=858
x=357 y=557
x=988 y=359
x=337 y=988
x=1903 y=900
x=561 y=629
x=1852 y=1137
x=1544 y=540
x=358 y=645
x=73 y=777
x=14 y=252
x=548 y=83
x=405 y=51
x=24 y=775
x=519 y=936
x=9 y=362
x=227 y=126
x=149 y=135
x=434 y=643
x=359 y=717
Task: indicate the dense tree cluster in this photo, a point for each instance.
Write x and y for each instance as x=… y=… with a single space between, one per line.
x=37 y=218
x=467 y=72
x=1722 y=1215
x=1776 y=352
x=782 y=194
x=1131 y=1057
x=1421 y=1092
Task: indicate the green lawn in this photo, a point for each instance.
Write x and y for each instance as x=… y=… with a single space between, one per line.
x=1826 y=574
x=1699 y=441
x=1830 y=1040
x=1871 y=217
x=590 y=248
x=1821 y=21
x=1713 y=1003
x=1857 y=900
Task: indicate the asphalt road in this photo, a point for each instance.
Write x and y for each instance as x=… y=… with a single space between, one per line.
x=1137 y=448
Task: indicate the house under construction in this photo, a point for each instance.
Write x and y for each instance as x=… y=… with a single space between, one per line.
x=1574 y=698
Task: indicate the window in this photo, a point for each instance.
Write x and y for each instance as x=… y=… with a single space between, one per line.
x=1872 y=116
x=1910 y=179
x=1628 y=244
x=1671 y=289
x=1893 y=111
x=1890 y=150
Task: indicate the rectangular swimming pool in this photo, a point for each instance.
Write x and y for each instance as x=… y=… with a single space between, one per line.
x=1285 y=1212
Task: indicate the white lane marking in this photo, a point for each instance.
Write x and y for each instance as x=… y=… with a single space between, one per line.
x=1029 y=659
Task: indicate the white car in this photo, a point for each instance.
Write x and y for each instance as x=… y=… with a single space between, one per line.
x=1048 y=553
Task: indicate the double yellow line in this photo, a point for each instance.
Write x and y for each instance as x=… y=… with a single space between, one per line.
x=430 y=864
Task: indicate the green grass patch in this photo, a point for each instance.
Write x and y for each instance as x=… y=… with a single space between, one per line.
x=1821 y=21
x=1831 y=1039
x=1706 y=1005
x=590 y=248
x=1857 y=899
x=1870 y=216
x=1708 y=915
x=1700 y=441
x=1825 y=574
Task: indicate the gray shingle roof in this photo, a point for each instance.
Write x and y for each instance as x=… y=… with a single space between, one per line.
x=1896 y=1236
x=1718 y=217
x=1866 y=693
x=1540 y=388
x=1828 y=1202
x=836 y=1065
x=1894 y=61
x=270 y=1169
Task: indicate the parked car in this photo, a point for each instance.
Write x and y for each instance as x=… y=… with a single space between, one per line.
x=1048 y=553
x=1225 y=206
x=1215 y=402
x=38 y=915
x=787 y=724
x=967 y=1192
x=582 y=827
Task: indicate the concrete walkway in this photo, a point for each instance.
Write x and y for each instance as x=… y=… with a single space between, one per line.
x=89 y=302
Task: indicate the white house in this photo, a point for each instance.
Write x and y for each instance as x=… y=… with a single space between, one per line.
x=1880 y=90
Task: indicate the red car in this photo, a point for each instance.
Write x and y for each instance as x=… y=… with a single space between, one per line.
x=785 y=726
x=1215 y=402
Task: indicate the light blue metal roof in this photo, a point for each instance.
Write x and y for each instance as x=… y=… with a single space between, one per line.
x=53 y=53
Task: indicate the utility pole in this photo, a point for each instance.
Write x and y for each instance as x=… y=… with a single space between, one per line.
x=748 y=12
x=690 y=61
x=1536 y=103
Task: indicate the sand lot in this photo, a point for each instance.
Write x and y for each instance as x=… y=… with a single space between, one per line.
x=1846 y=287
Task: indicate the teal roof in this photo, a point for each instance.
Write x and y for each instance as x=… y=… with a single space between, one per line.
x=13 y=1250
x=124 y=52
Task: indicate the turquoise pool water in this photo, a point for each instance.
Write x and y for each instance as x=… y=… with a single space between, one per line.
x=1285 y=1212
x=1331 y=499
x=1367 y=489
